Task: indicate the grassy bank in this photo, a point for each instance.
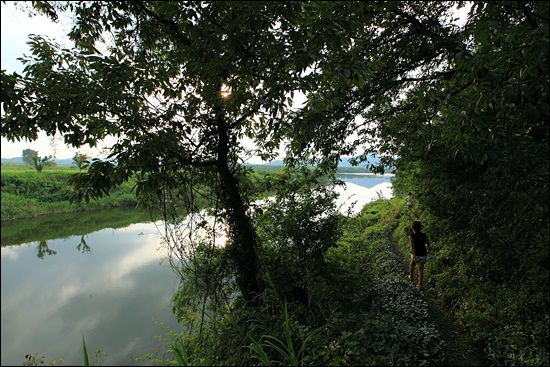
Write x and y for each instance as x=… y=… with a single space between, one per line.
x=27 y=193
x=360 y=310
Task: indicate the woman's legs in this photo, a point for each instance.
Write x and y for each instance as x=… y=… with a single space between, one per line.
x=411 y=269
x=420 y=276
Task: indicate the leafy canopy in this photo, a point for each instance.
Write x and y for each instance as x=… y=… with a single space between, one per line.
x=150 y=74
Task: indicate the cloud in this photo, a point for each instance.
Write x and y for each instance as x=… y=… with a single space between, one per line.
x=16 y=26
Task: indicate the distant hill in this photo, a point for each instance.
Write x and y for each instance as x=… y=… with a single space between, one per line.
x=64 y=161
x=278 y=162
x=59 y=161
x=344 y=162
x=12 y=160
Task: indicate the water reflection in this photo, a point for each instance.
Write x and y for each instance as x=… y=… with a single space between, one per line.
x=65 y=225
x=43 y=249
x=83 y=246
x=362 y=189
x=109 y=285
x=108 y=282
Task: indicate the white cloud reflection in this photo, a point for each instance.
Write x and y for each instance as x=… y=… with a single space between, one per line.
x=354 y=197
x=48 y=304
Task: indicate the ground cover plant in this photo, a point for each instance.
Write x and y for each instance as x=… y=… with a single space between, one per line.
x=457 y=110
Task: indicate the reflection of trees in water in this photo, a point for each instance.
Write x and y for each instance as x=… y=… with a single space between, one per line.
x=83 y=246
x=66 y=225
x=43 y=248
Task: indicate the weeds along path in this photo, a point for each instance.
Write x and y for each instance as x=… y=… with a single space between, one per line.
x=459 y=352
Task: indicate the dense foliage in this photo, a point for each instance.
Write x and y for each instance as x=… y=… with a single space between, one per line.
x=357 y=308
x=459 y=111
x=28 y=156
x=182 y=84
x=477 y=163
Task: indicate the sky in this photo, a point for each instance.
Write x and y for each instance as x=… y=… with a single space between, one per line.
x=16 y=26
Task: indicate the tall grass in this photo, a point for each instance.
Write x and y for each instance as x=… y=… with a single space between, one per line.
x=269 y=345
x=85 y=352
x=27 y=193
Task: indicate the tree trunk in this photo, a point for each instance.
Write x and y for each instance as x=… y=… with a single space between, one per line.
x=243 y=239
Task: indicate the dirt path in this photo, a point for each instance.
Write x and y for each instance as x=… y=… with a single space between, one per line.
x=459 y=352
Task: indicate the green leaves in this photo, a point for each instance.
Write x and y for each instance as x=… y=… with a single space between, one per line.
x=97 y=181
x=85 y=352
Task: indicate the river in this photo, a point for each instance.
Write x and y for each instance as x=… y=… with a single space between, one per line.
x=102 y=276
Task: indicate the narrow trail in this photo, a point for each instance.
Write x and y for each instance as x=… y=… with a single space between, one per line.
x=459 y=352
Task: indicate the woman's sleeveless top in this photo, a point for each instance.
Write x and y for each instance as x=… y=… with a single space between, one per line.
x=419 y=240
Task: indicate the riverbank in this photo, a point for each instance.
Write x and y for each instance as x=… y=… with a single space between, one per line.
x=371 y=258
x=365 y=270
x=30 y=194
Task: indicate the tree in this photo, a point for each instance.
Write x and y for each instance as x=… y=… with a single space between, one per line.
x=478 y=138
x=81 y=160
x=460 y=111
x=28 y=156
x=32 y=158
x=157 y=88
x=473 y=146
x=39 y=163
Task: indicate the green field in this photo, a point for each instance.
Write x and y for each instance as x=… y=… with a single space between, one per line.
x=27 y=193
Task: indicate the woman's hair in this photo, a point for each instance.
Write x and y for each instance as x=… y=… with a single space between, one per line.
x=416 y=226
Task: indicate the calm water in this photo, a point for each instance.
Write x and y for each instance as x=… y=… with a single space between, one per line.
x=114 y=295
x=68 y=276
x=361 y=189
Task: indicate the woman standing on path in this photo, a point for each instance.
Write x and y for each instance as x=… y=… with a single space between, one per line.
x=409 y=201
x=419 y=252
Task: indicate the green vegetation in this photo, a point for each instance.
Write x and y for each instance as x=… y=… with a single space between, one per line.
x=28 y=156
x=35 y=360
x=359 y=309
x=27 y=193
x=32 y=158
x=81 y=160
x=349 y=307
x=460 y=112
